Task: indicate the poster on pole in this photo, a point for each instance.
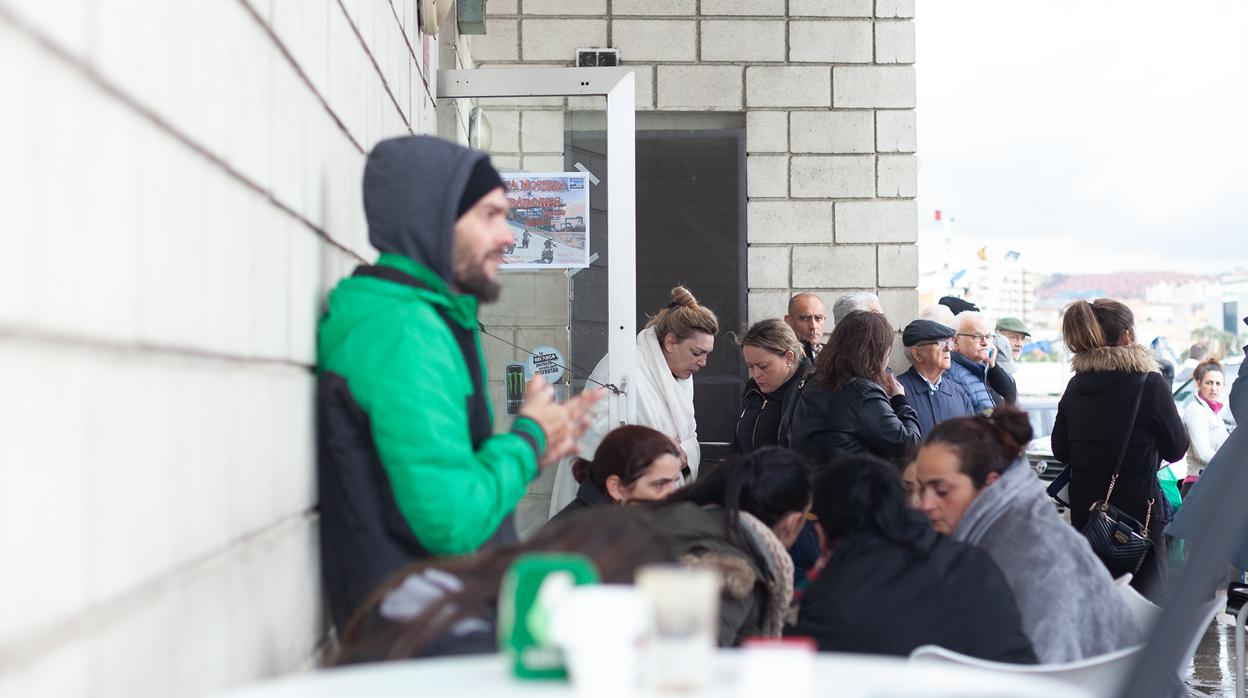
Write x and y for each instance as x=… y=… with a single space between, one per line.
x=549 y=220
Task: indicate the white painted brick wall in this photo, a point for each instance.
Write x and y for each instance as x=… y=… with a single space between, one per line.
x=895 y=131
x=840 y=265
x=165 y=324
x=894 y=8
x=873 y=86
x=787 y=86
x=832 y=132
x=830 y=41
x=740 y=40
x=561 y=7
x=899 y=265
x=898 y=176
x=832 y=176
x=769 y=267
x=772 y=8
x=894 y=42
x=766 y=131
x=654 y=40
x=500 y=43
x=704 y=87
x=767 y=176
x=830 y=8
x=648 y=8
x=789 y=221
x=876 y=221
x=557 y=39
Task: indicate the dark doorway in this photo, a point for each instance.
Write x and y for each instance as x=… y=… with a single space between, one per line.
x=690 y=231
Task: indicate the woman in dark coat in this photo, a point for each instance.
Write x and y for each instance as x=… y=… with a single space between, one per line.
x=776 y=362
x=890 y=584
x=632 y=464
x=853 y=405
x=1110 y=370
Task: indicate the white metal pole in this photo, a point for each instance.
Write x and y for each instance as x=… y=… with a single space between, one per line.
x=622 y=249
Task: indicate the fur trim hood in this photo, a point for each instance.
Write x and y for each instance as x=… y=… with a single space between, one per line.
x=1133 y=358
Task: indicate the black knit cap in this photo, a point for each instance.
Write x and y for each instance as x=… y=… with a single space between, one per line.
x=484 y=179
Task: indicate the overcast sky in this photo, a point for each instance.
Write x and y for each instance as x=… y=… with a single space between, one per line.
x=1090 y=135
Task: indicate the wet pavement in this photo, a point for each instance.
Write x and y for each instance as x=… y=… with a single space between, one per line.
x=1213 y=668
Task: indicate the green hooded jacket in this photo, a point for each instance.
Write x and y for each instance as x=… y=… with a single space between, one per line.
x=404 y=367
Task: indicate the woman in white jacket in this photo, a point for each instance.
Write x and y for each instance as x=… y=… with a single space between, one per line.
x=1202 y=417
x=674 y=345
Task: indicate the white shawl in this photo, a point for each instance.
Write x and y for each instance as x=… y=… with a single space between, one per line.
x=663 y=404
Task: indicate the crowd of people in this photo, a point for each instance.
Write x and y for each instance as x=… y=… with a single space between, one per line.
x=870 y=511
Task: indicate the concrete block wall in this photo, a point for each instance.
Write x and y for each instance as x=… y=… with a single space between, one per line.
x=828 y=92
x=180 y=187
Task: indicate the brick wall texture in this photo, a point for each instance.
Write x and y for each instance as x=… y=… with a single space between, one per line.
x=179 y=188
x=828 y=91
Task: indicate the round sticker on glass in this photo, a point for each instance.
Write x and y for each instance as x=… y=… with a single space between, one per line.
x=546 y=362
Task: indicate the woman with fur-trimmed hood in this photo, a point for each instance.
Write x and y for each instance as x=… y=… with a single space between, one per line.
x=740 y=520
x=1092 y=422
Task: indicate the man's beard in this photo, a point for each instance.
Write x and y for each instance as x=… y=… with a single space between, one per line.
x=476 y=282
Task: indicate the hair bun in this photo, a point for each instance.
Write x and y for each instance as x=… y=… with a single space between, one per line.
x=1015 y=423
x=1210 y=363
x=580 y=469
x=682 y=297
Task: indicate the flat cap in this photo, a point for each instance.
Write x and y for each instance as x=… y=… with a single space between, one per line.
x=921 y=331
x=1012 y=324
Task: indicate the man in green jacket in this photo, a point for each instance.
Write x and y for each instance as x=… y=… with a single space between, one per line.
x=409 y=466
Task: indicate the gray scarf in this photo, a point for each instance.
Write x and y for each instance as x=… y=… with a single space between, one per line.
x=1070 y=606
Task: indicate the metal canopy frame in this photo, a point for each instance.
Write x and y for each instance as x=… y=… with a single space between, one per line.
x=619 y=87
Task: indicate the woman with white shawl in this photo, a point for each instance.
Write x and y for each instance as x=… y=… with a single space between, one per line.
x=674 y=345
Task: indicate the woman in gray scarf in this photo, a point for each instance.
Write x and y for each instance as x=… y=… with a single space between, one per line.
x=976 y=487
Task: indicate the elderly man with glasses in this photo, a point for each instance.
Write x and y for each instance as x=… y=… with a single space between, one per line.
x=973 y=365
x=929 y=346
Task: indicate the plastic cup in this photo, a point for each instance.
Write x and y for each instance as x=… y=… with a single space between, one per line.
x=685 y=603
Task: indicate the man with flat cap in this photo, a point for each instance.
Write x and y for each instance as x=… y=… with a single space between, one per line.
x=409 y=464
x=1015 y=332
x=928 y=345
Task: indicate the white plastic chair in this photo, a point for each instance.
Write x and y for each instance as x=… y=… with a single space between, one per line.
x=1101 y=676
x=1146 y=613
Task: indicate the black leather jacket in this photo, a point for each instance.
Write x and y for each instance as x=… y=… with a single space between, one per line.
x=857 y=418
x=760 y=422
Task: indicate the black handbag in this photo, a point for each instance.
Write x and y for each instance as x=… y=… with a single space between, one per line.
x=1116 y=538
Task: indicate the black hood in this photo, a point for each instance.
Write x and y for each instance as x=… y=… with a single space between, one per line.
x=412 y=187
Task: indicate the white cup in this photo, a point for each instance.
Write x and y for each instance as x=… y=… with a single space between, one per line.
x=601 y=629
x=685 y=602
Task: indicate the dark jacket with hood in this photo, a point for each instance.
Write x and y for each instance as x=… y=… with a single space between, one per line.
x=761 y=419
x=1092 y=422
x=588 y=496
x=408 y=464
x=857 y=418
x=755 y=571
x=933 y=406
x=876 y=596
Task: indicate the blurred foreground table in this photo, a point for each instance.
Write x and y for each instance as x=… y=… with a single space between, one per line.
x=842 y=675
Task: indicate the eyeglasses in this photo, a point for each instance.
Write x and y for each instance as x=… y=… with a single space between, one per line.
x=808 y=318
x=946 y=344
x=979 y=338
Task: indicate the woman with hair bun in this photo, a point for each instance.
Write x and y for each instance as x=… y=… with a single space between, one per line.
x=1203 y=418
x=674 y=345
x=633 y=464
x=1093 y=420
x=976 y=487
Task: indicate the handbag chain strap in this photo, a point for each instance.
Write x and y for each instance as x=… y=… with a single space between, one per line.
x=1148 y=515
x=1126 y=439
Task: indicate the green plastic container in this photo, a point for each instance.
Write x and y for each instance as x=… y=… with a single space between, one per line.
x=523 y=616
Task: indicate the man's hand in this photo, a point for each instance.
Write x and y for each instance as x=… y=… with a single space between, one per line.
x=562 y=424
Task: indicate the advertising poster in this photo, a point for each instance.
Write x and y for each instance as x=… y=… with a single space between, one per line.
x=549 y=220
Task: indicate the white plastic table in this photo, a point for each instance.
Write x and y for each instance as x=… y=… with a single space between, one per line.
x=841 y=675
